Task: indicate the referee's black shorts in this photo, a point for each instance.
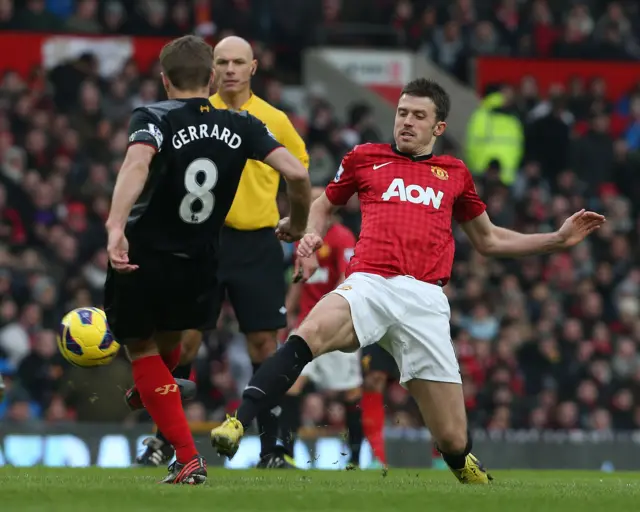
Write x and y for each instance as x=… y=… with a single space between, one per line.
x=251 y=275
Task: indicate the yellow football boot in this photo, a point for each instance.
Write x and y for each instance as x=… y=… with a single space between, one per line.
x=290 y=461
x=226 y=438
x=473 y=472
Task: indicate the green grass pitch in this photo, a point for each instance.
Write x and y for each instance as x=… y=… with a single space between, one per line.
x=123 y=490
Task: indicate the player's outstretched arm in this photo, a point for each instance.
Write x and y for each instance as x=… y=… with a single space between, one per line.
x=491 y=240
x=298 y=187
x=129 y=184
x=319 y=216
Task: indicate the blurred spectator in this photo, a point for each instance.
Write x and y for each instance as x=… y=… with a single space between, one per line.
x=35 y=16
x=40 y=371
x=495 y=133
x=592 y=155
x=85 y=18
x=633 y=132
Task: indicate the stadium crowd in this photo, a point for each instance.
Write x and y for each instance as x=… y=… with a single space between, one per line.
x=545 y=342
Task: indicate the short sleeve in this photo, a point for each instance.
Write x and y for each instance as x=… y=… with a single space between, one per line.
x=468 y=205
x=344 y=185
x=344 y=245
x=260 y=141
x=144 y=128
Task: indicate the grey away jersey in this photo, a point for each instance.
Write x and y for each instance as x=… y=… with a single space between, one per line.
x=194 y=176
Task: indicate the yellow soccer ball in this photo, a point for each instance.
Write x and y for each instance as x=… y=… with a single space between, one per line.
x=84 y=338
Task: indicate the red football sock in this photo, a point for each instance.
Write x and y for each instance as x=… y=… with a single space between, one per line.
x=372 y=406
x=172 y=358
x=161 y=397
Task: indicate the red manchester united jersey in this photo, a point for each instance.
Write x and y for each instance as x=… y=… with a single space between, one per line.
x=333 y=258
x=407 y=204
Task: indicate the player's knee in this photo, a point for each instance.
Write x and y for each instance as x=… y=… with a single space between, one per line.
x=375 y=382
x=261 y=345
x=312 y=332
x=452 y=440
x=190 y=341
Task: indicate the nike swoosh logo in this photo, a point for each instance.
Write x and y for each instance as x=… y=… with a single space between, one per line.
x=376 y=167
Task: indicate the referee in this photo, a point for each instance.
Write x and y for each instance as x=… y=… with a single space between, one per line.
x=251 y=260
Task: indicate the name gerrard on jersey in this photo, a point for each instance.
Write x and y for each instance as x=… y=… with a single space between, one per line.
x=205 y=131
x=413 y=194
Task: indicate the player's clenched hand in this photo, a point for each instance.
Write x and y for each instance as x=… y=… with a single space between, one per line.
x=309 y=244
x=304 y=268
x=287 y=232
x=577 y=227
x=118 y=250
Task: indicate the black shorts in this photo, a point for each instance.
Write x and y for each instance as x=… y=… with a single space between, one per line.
x=251 y=274
x=166 y=293
x=377 y=359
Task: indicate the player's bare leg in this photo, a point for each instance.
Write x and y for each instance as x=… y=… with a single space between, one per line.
x=158 y=450
x=160 y=396
x=442 y=407
x=328 y=327
x=190 y=342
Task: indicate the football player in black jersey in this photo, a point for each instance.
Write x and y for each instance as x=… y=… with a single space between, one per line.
x=173 y=192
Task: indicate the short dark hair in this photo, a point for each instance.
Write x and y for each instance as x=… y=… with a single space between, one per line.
x=425 y=88
x=187 y=62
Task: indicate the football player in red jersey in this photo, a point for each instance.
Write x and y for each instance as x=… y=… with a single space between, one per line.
x=337 y=371
x=393 y=293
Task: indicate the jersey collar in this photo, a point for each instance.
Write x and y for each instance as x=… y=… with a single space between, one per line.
x=218 y=102
x=406 y=155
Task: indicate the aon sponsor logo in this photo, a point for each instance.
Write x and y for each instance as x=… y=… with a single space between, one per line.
x=413 y=193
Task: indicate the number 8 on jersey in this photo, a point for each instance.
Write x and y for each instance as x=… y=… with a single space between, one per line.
x=205 y=171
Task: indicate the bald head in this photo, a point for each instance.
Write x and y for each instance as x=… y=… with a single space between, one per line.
x=234 y=66
x=235 y=45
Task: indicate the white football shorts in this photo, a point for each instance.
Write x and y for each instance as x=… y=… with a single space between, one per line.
x=409 y=318
x=335 y=371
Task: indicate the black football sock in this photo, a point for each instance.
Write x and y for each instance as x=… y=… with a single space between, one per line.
x=289 y=422
x=274 y=378
x=354 y=430
x=160 y=435
x=268 y=424
x=457 y=461
x=182 y=372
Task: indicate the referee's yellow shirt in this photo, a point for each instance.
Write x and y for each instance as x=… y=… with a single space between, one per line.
x=254 y=206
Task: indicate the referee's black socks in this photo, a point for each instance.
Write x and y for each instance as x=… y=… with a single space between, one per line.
x=274 y=378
